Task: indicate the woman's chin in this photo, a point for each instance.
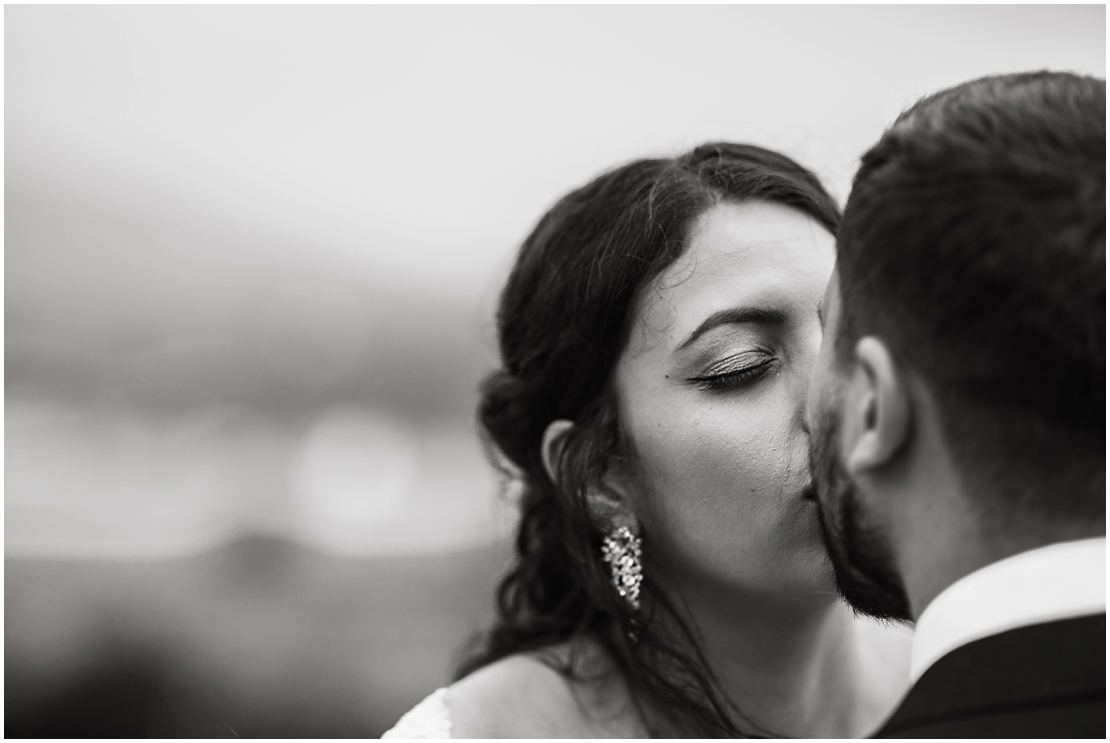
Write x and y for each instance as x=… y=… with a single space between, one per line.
x=812 y=556
x=814 y=572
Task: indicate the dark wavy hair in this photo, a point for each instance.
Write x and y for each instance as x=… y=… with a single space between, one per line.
x=563 y=321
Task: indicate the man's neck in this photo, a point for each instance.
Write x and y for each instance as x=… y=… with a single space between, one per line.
x=936 y=557
x=935 y=531
x=938 y=551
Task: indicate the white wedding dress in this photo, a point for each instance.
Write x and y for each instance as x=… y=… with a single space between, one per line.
x=429 y=719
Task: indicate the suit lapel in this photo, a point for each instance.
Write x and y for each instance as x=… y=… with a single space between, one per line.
x=1048 y=666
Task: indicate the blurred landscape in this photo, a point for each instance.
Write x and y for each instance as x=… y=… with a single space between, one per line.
x=252 y=257
x=240 y=500
x=259 y=638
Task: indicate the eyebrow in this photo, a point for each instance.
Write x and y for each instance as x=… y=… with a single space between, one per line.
x=736 y=316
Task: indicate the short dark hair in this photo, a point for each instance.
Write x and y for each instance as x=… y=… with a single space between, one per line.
x=974 y=244
x=564 y=319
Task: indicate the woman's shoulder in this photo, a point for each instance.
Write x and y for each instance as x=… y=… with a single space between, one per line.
x=526 y=696
x=429 y=719
x=516 y=697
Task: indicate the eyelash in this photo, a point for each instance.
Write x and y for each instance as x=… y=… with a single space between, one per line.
x=733 y=379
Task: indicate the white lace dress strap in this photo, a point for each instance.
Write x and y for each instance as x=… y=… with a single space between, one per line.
x=429 y=719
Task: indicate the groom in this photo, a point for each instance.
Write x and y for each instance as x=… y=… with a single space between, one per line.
x=958 y=406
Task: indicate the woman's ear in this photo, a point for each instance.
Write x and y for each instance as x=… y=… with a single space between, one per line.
x=881 y=406
x=551 y=447
x=606 y=501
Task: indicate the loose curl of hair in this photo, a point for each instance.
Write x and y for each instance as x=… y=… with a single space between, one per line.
x=564 y=319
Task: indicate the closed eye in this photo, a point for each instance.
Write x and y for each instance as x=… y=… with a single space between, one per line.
x=733 y=379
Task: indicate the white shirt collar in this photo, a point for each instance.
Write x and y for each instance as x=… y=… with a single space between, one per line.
x=1046 y=584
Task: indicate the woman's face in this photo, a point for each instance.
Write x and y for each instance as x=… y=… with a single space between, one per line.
x=712 y=390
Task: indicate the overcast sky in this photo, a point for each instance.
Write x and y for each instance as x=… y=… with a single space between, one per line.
x=423 y=142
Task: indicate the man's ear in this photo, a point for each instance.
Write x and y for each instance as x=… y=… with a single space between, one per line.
x=881 y=406
x=606 y=501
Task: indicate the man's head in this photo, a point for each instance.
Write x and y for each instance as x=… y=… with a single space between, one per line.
x=970 y=282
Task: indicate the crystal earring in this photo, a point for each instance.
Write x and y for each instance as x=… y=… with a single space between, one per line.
x=621 y=549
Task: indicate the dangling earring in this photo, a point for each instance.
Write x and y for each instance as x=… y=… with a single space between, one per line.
x=621 y=549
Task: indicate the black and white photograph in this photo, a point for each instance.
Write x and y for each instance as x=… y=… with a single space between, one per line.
x=554 y=371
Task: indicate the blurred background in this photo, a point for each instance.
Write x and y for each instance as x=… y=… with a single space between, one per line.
x=252 y=256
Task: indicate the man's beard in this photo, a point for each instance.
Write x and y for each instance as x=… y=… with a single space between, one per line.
x=861 y=556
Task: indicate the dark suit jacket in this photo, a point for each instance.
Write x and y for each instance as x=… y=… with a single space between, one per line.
x=1042 y=681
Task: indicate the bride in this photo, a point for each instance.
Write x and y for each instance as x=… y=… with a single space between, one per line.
x=657 y=334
